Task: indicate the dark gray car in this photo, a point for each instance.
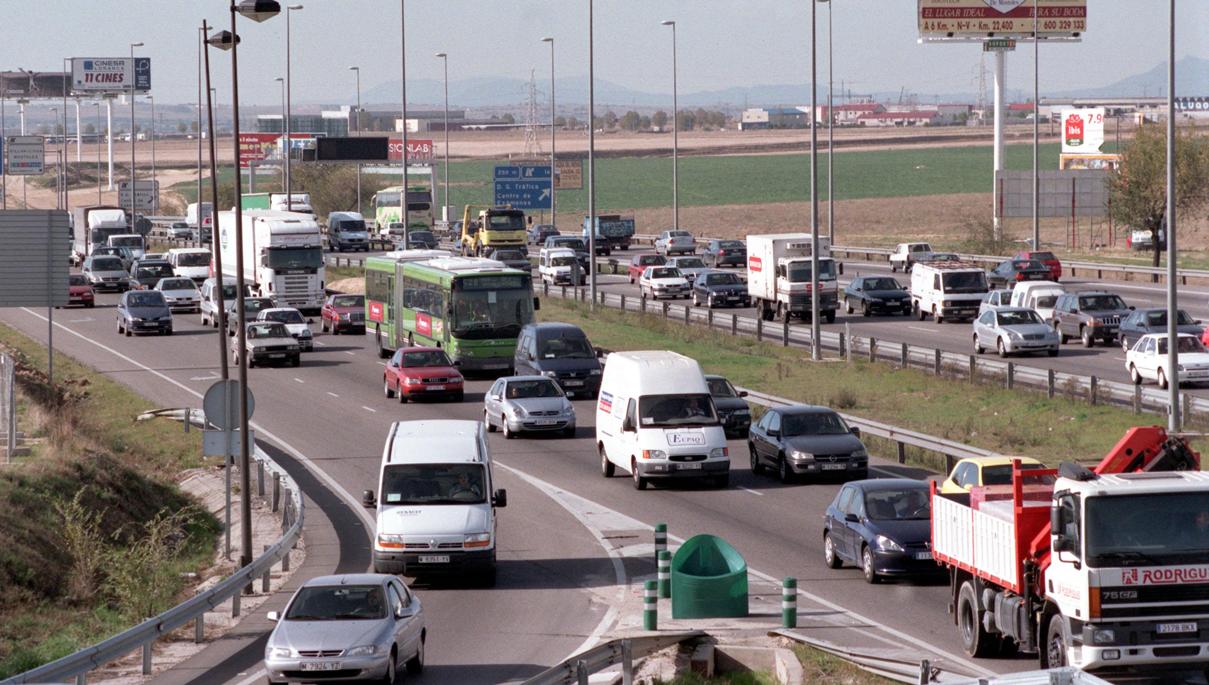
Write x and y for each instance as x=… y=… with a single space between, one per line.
x=1089 y=316
x=513 y=258
x=560 y=351
x=725 y=253
x=719 y=289
x=733 y=411
x=1143 y=321
x=143 y=311
x=804 y=439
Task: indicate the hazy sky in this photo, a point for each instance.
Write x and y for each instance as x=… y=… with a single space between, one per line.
x=722 y=43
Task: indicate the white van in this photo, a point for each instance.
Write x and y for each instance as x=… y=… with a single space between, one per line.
x=134 y=241
x=559 y=266
x=947 y=290
x=655 y=419
x=190 y=262
x=436 y=500
x=1040 y=296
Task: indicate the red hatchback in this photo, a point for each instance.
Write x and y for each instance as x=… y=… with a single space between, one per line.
x=343 y=313
x=415 y=372
x=1045 y=257
x=79 y=291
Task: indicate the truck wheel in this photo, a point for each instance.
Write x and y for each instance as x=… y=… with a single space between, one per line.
x=639 y=481
x=830 y=316
x=919 y=311
x=606 y=466
x=974 y=638
x=1089 y=340
x=1056 y=641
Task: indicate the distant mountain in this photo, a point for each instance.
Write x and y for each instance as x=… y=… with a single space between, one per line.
x=1191 y=79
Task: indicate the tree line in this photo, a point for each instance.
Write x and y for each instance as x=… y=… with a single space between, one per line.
x=687 y=120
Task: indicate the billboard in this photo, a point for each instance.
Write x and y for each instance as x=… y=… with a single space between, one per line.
x=25 y=155
x=981 y=19
x=1082 y=130
x=1067 y=193
x=110 y=74
x=418 y=149
x=354 y=149
x=1095 y=161
x=1192 y=104
x=33 y=84
x=255 y=147
x=568 y=173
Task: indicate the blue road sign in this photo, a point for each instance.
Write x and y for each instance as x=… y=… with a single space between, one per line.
x=507 y=172
x=142 y=73
x=524 y=171
x=533 y=194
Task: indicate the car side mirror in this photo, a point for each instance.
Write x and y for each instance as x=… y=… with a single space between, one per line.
x=855 y=431
x=310 y=321
x=368 y=499
x=403 y=612
x=742 y=393
x=774 y=433
x=852 y=518
x=537 y=304
x=1131 y=307
x=273 y=616
x=500 y=498
x=627 y=425
x=457 y=362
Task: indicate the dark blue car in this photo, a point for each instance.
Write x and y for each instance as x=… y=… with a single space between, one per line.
x=881 y=525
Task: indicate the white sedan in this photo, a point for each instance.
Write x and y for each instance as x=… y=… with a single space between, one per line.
x=180 y=293
x=295 y=323
x=1147 y=360
x=663 y=281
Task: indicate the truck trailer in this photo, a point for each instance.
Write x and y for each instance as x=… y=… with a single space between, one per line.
x=279 y=202
x=93 y=224
x=282 y=256
x=613 y=232
x=778 y=276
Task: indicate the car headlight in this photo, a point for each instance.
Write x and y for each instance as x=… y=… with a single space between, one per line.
x=1103 y=636
x=412 y=381
x=477 y=540
x=345 y=316
x=594 y=372
x=549 y=374
x=279 y=653
x=1014 y=335
x=797 y=454
x=361 y=650
x=886 y=544
x=861 y=453
x=719 y=453
x=518 y=410
x=456 y=378
x=654 y=454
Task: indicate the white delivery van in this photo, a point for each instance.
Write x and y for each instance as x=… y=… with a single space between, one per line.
x=559 y=266
x=947 y=290
x=656 y=420
x=136 y=242
x=1040 y=296
x=436 y=501
x=190 y=262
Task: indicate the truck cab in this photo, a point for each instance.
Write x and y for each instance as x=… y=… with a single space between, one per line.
x=492 y=227
x=779 y=276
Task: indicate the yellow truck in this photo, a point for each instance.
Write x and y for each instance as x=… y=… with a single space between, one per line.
x=485 y=228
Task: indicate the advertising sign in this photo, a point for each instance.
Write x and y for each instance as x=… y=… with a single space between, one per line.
x=981 y=19
x=418 y=149
x=144 y=194
x=255 y=147
x=569 y=174
x=25 y=155
x=1082 y=129
x=1192 y=104
x=110 y=74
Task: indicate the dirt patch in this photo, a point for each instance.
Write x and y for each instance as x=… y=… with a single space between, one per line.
x=352 y=286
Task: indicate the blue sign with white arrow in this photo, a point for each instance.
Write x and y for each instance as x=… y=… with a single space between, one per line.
x=524 y=171
x=534 y=194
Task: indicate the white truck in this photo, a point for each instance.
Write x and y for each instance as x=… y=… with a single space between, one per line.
x=947 y=290
x=279 y=202
x=282 y=256
x=906 y=254
x=199 y=214
x=93 y=224
x=778 y=276
x=1103 y=569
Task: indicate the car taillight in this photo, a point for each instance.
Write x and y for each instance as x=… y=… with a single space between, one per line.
x=1019 y=275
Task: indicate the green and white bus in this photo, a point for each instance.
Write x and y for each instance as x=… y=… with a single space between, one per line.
x=472 y=308
x=420 y=213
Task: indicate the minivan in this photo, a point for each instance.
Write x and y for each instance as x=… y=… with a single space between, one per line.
x=134 y=241
x=209 y=298
x=655 y=418
x=190 y=262
x=346 y=231
x=560 y=351
x=1040 y=296
x=436 y=501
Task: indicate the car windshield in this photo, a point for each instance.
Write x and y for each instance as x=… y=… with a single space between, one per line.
x=668 y=272
x=1101 y=303
x=1001 y=474
x=156 y=271
x=730 y=244
x=285 y=316
x=1185 y=345
x=424 y=358
x=422 y=236
x=677 y=410
x=267 y=330
x=491 y=312
x=690 y=263
x=338 y=603
x=290 y=258
x=679 y=234
x=228 y=293
x=510 y=221
x=882 y=284
x=909 y=503
x=573 y=244
x=76 y=279
x=529 y=389
x=651 y=260
x=253 y=305
x=350 y=226
x=564 y=260
x=348 y=301
x=177 y=284
x=720 y=387
x=723 y=279
x=193 y=259
x=145 y=298
x=106 y=264
x=1018 y=318
x=799 y=272
x=570 y=347
x=1160 y=529
x=132 y=241
x=405 y=484
x=1158 y=317
x=1043 y=256
x=1046 y=301
x=919 y=247
x=812 y=423
x=965 y=282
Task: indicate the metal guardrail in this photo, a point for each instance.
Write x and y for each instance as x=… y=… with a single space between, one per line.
x=143 y=635
x=620 y=651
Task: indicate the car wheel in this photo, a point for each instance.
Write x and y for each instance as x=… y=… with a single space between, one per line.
x=391 y=669
x=402 y=396
x=974 y=638
x=1001 y=348
x=1124 y=344
x=829 y=556
x=297 y=361
x=1088 y=339
x=919 y=311
x=390 y=394
x=829 y=316
x=119 y=327
x=848 y=306
x=696 y=300
x=756 y=467
x=639 y=481
x=415 y=665
x=127 y=330
x=1052 y=353
x=487 y=422
x=893 y=268
x=323 y=326
x=1056 y=641
x=569 y=432
x=508 y=434
x=937 y=316
x=1162 y=379
x=784 y=474
x=867 y=568
x=865 y=310
x=1062 y=337
x=606 y=466
x=1134 y=375
x=977 y=347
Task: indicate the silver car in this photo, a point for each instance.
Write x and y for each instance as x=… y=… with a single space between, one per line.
x=181 y=294
x=689 y=267
x=1014 y=330
x=345 y=628
x=528 y=403
x=672 y=242
x=105 y=272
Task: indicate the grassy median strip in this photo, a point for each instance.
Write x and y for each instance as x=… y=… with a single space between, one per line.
x=1007 y=421
x=95 y=535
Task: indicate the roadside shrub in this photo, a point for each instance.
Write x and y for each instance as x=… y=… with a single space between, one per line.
x=143 y=578
x=84 y=541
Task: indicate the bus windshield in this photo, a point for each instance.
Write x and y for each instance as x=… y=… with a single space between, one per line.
x=386 y=199
x=481 y=313
x=282 y=258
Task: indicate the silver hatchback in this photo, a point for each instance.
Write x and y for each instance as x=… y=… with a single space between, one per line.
x=518 y=404
x=1014 y=330
x=347 y=628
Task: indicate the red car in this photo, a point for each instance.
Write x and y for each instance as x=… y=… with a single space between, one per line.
x=1045 y=257
x=415 y=372
x=641 y=262
x=79 y=291
x=343 y=313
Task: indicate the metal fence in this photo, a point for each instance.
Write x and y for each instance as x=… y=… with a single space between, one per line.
x=285 y=496
x=8 y=406
x=623 y=651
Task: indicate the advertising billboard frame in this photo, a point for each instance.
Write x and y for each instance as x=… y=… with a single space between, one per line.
x=974 y=21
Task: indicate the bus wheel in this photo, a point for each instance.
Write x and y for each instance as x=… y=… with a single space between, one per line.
x=383 y=353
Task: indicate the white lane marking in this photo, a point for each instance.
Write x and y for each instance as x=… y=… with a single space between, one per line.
x=299 y=380
x=350 y=353
x=369 y=409
x=332 y=393
x=923 y=329
x=211 y=377
x=320 y=344
x=754 y=492
x=382 y=363
x=84 y=320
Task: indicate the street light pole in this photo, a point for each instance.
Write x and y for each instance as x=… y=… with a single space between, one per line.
x=675 y=134
x=285 y=142
x=591 y=165
x=815 y=348
x=155 y=197
x=1036 y=134
x=58 y=168
x=1174 y=421
x=403 y=152
x=97 y=103
x=357 y=121
x=445 y=65
x=830 y=129
x=553 y=162
x=132 y=135
x=201 y=45
x=215 y=247
x=289 y=148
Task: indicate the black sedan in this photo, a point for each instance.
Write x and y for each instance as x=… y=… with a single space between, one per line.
x=1142 y=321
x=420 y=239
x=145 y=274
x=882 y=525
x=720 y=288
x=143 y=311
x=539 y=232
x=733 y=411
x=876 y=294
x=1013 y=271
x=804 y=439
x=725 y=252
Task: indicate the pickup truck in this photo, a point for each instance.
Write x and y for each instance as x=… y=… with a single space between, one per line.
x=906 y=254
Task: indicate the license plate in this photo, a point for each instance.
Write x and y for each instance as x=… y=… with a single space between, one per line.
x=277 y=355
x=923 y=556
x=546 y=422
x=689 y=466
x=572 y=383
x=434 y=558
x=321 y=665
x=436 y=387
x=1169 y=628
x=834 y=467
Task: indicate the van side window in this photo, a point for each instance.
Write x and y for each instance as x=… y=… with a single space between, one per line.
x=936 y=281
x=631 y=412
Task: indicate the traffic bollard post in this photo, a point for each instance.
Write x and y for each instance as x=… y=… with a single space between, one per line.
x=789 y=603
x=660 y=539
x=665 y=574
x=650 y=606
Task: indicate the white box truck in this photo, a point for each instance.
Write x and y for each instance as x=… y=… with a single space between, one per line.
x=282 y=256
x=947 y=290
x=778 y=276
x=93 y=224
x=199 y=214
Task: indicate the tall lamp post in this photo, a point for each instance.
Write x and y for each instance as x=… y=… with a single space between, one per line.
x=257 y=10
x=445 y=67
x=54 y=111
x=155 y=197
x=591 y=164
x=285 y=142
x=553 y=165
x=830 y=129
x=403 y=94
x=1174 y=422
x=132 y=137
x=675 y=134
x=357 y=123
x=815 y=348
x=97 y=141
x=220 y=309
x=1036 y=133
x=289 y=148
